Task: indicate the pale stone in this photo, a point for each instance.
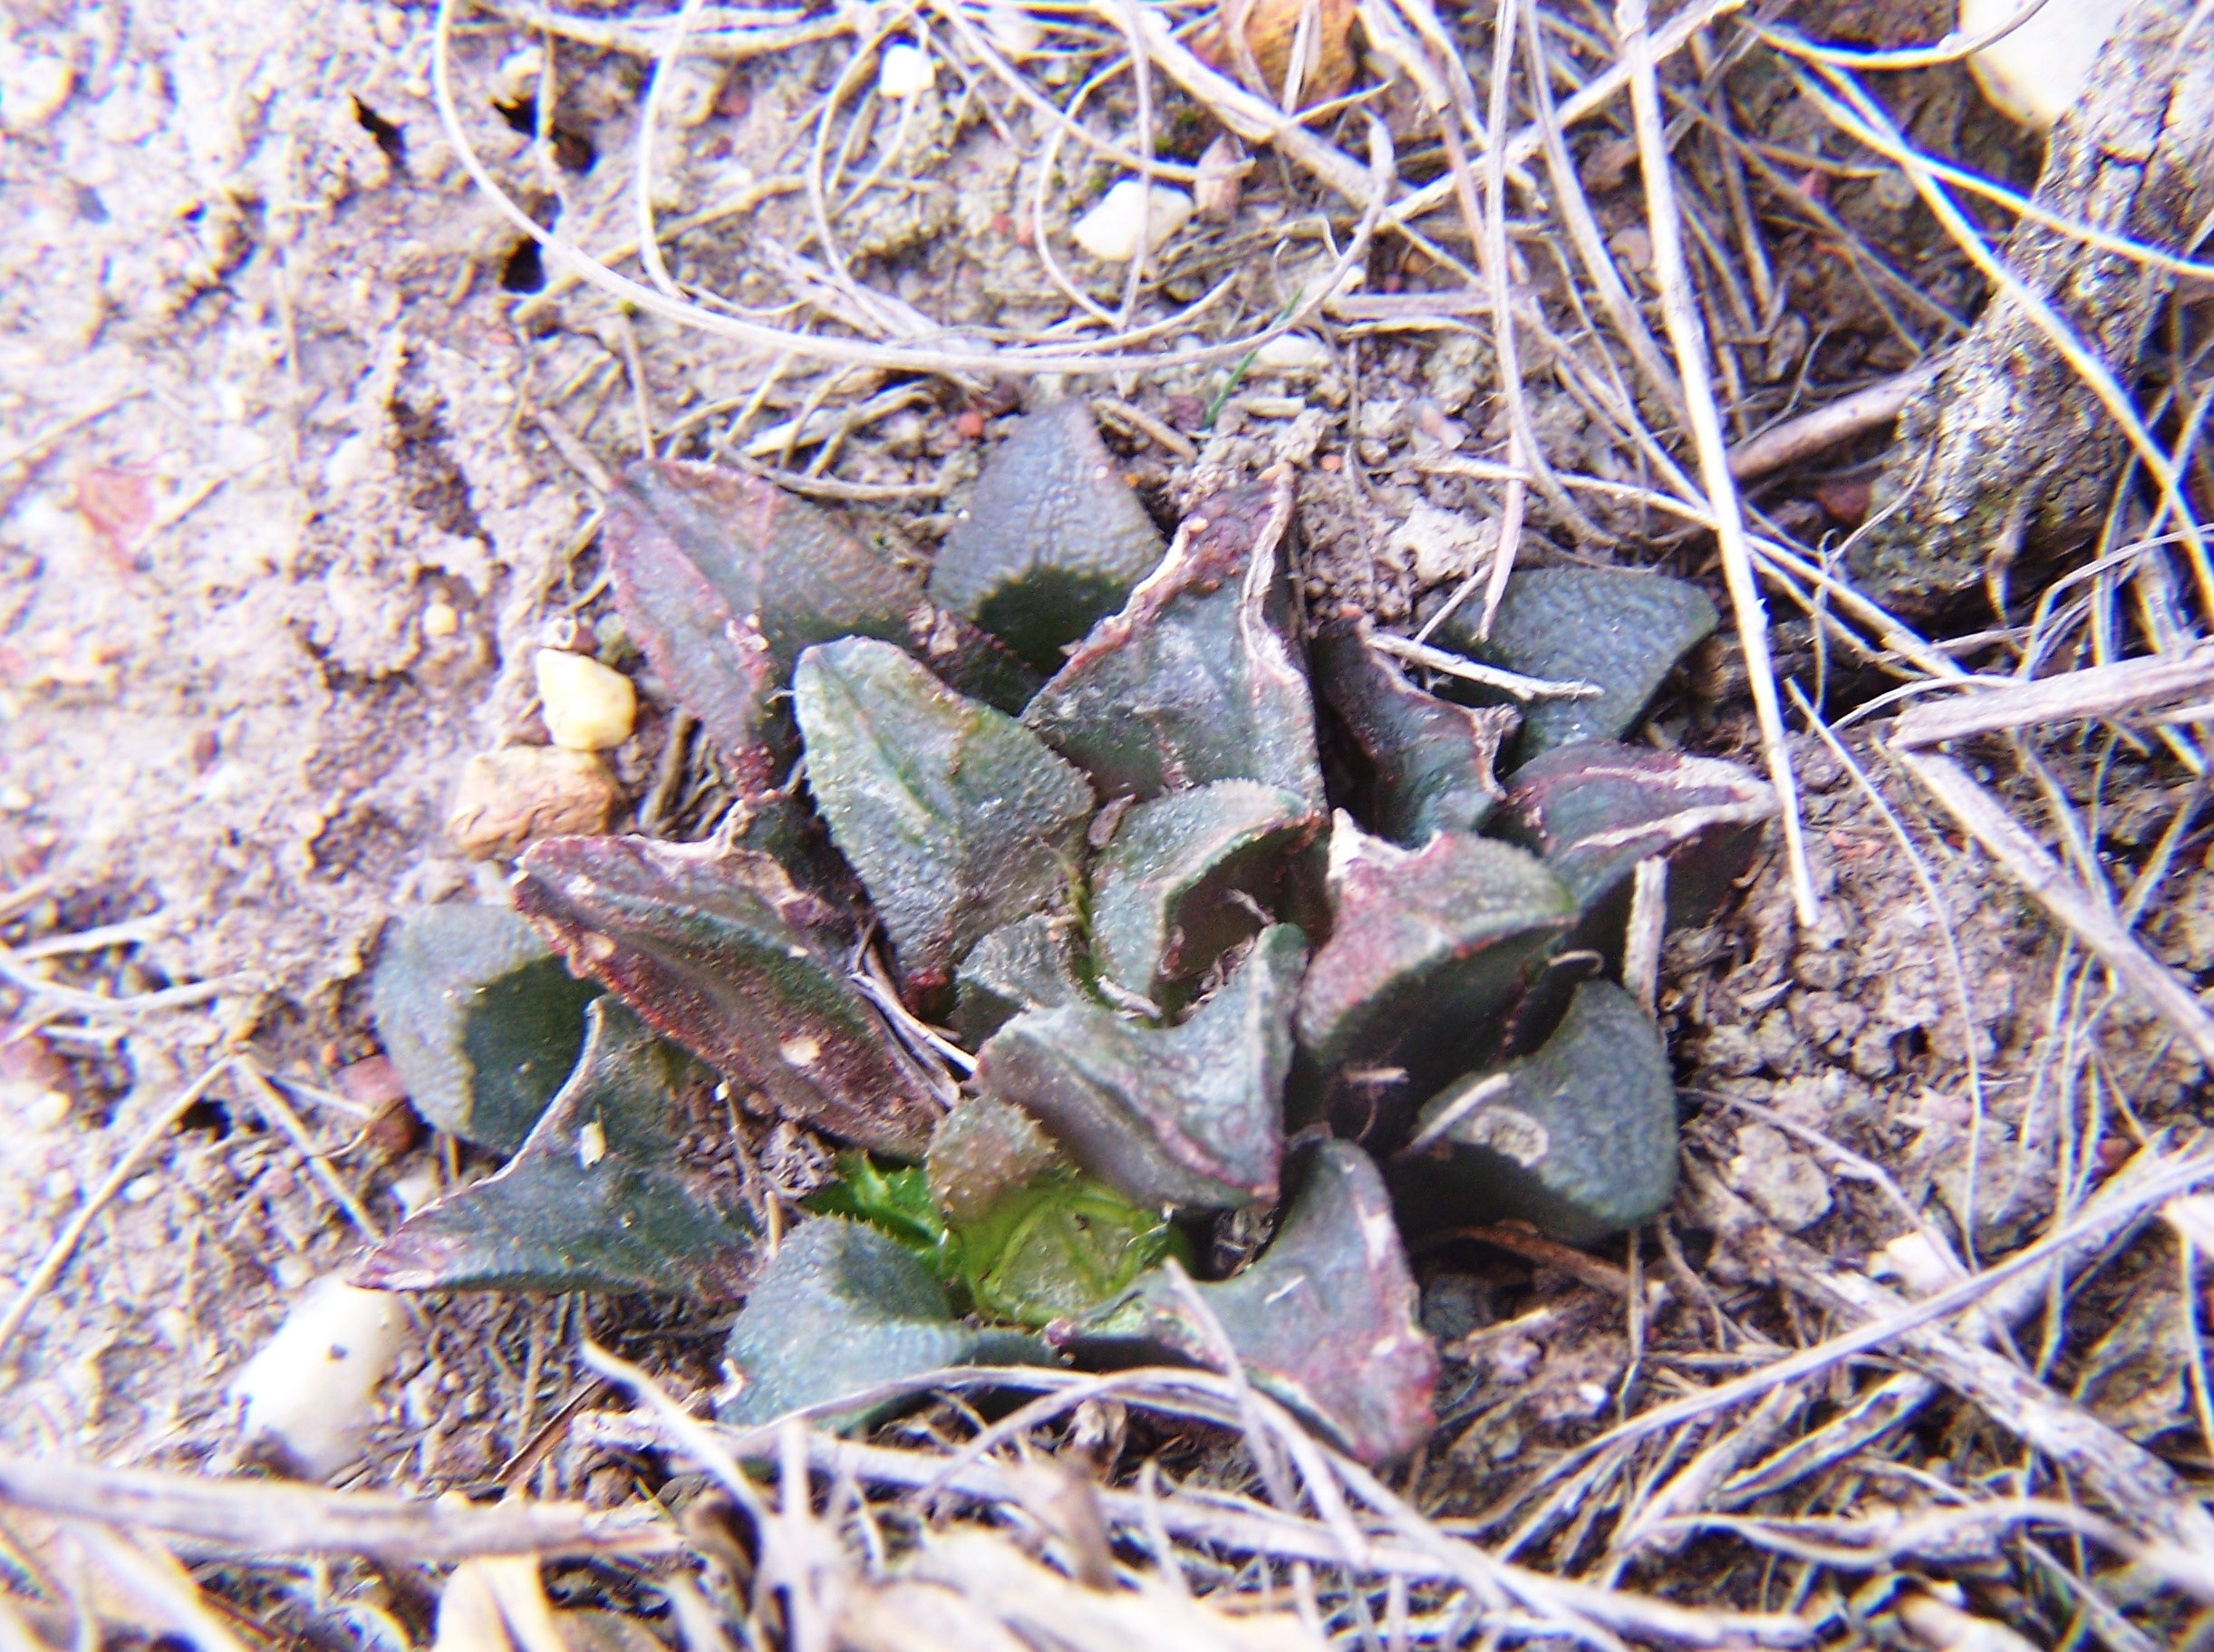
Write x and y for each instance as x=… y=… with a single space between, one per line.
x=906 y=71
x=1292 y=353
x=310 y=1393
x=512 y=796
x=1109 y=231
x=1779 y=1177
x=587 y=706
x=1443 y=545
x=2036 y=73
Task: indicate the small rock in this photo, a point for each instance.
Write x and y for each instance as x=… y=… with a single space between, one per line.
x=1223 y=167
x=1109 y=231
x=516 y=795
x=1779 y=1177
x=2037 y=71
x=440 y=620
x=906 y=71
x=1445 y=545
x=1293 y=353
x=308 y=1394
x=588 y=707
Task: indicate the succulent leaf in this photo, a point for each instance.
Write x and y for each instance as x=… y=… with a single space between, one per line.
x=1187 y=876
x=1053 y=538
x=983 y=1150
x=1428 y=949
x=1324 y=1320
x=626 y=1183
x=957 y=817
x=480 y=1019
x=838 y=1309
x=724 y=580
x=1195 y=680
x=1578 y=1139
x=1426 y=763
x=1620 y=630
x=1023 y=965
x=721 y=952
x=1188 y=1116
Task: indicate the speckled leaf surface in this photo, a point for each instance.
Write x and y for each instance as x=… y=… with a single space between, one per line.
x=1429 y=949
x=1324 y=1320
x=840 y=1308
x=629 y=1183
x=983 y=1150
x=1578 y=1139
x=1195 y=680
x=1051 y=541
x=1609 y=627
x=1189 y=1116
x=480 y=1019
x=1425 y=763
x=723 y=579
x=1027 y=964
x=1182 y=877
x=957 y=817
x=1595 y=810
x=721 y=952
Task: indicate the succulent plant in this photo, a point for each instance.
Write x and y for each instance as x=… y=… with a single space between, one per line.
x=1158 y=944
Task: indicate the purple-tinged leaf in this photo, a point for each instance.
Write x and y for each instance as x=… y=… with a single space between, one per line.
x=1620 y=630
x=840 y=1308
x=1024 y=965
x=956 y=817
x=480 y=1019
x=724 y=580
x=1053 y=540
x=721 y=952
x=1426 y=763
x=630 y=1182
x=1593 y=810
x=1429 y=949
x=1579 y=1139
x=1189 y=1116
x=1195 y=680
x=1324 y=1320
x=1188 y=876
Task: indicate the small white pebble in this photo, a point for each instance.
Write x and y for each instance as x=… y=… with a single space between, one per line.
x=2038 y=72
x=588 y=707
x=591 y=1143
x=48 y=1110
x=1109 y=230
x=14 y=800
x=440 y=620
x=906 y=71
x=1292 y=353
x=309 y=1393
x=139 y=1189
x=416 y=1189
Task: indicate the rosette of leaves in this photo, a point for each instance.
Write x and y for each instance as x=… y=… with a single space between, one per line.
x=1157 y=945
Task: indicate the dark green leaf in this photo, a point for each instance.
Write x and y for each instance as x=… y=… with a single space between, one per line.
x=480 y=1019
x=840 y=1308
x=1425 y=763
x=1188 y=1116
x=1579 y=1139
x=1594 y=810
x=1620 y=630
x=1187 y=876
x=1023 y=965
x=1324 y=1321
x=1052 y=539
x=957 y=817
x=1195 y=680
x=630 y=1182
x=722 y=953
x=1428 y=951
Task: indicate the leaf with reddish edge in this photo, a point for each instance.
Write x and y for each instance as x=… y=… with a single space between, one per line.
x=1024 y=965
x=724 y=579
x=1323 y=1322
x=1595 y=810
x=721 y=952
x=1188 y=876
x=1189 y=1116
x=1620 y=630
x=1425 y=764
x=1429 y=950
x=628 y=1182
x=1196 y=680
x=840 y=1308
x=957 y=817
x=1052 y=539
x=1578 y=1139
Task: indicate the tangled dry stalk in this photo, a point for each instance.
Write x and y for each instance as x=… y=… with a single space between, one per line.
x=1765 y=1472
